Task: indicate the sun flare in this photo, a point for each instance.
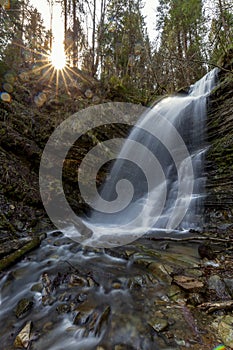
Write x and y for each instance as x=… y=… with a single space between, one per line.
x=58 y=56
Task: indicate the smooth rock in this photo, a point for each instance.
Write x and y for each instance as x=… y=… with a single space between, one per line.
x=23 y=306
x=38 y=287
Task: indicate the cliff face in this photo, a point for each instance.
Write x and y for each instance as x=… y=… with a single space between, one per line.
x=219 y=162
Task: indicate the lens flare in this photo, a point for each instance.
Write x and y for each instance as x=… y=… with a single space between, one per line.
x=58 y=56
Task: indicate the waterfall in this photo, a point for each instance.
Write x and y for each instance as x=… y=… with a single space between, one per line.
x=157 y=182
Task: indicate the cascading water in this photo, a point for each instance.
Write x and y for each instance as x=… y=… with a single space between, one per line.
x=157 y=179
x=78 y=298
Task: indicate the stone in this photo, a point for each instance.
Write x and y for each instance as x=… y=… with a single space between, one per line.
x=159 y=324
x=215 y=283
x=206 y=251
x=23 y=338
x=95 y=99
x=38 y=287
x=189 y=283
x=89 y=94
x=225 y=330
x=23 y=306
x=229 y=284
x=63 y=308
x=76 y=280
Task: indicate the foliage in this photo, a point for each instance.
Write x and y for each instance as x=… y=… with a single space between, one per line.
x=108 y=39
x=180 y=54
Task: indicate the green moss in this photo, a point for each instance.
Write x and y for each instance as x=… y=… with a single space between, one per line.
x=12 y=258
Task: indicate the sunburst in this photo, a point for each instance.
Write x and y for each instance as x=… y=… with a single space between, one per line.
x=54 y=66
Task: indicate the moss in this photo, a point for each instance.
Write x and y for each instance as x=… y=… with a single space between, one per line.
x=19 y=254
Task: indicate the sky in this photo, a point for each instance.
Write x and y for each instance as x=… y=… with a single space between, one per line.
x=43 y=8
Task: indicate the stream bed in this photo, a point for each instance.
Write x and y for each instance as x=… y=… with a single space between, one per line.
x=144 y=295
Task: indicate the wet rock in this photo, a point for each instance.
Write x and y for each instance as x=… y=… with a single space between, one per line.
x=123 y=347
x=161 y=272
x=91 y=282
x=47 y=284
x=215 y=283
x=81 y=318
x=63 y=308
x=175 y=293
x=116 y=284
x=225 y=330
x=47 y=326
x=189 y=283
x=158 y=324
x=23 y=306
x=76 y=280
x=38 y=287
x=48 y=300
x=23 y=338
x=57 y=234
x=62 y=241
x=206 y=251
x=102 y=320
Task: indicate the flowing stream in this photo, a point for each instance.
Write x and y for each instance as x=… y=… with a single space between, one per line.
x=92 y=298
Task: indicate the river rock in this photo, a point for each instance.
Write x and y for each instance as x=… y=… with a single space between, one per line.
x=159 y=324
x=23 y=306
x=229 y=284
x=38 y=287
x=189 y=283
x=76 y=280
x=63 y=308
x=225 y=330
x=215 y=283
x=23 y=338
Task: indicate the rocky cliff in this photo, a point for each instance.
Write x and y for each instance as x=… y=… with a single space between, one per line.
x=219 y=160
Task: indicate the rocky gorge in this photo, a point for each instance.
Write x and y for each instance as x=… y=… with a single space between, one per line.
x=166 y=293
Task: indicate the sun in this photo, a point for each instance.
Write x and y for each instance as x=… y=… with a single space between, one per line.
x=58 y=56
x=53 y=66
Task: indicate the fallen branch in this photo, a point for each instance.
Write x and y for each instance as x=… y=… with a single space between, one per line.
x=192 y=239
x=20 y=253
x=221 y=305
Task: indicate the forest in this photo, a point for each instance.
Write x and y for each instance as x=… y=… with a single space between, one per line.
x=116 y=168
x=109 y=40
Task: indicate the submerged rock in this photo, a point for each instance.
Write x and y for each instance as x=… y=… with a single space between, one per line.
x=23 y=306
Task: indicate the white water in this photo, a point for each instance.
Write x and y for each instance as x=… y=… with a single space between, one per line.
x=158 y=177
